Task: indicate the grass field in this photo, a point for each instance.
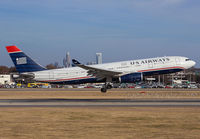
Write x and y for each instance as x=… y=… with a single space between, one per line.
x=96 y=94
x=100 y=123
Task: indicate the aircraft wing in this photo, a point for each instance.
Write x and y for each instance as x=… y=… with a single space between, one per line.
x=99 y=73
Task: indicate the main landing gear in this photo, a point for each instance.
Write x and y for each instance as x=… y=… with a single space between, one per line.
x=103 y=90
x=105 y=87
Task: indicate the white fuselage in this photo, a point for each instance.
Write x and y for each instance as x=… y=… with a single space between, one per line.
x=159 y=65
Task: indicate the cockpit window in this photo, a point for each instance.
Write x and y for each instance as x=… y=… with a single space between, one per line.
x=187 y=59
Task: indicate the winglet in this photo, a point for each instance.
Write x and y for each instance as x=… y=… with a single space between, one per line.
x=75 y=62
x=13 y=49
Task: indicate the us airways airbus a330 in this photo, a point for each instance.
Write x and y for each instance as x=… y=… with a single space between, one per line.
x=116 y=72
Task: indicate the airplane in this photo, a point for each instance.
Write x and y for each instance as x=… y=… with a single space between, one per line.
x=117 y=72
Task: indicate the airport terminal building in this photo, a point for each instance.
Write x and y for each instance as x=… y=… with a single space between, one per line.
x=5 y=79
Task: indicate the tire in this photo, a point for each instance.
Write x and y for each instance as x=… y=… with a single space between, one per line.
x=103 y=90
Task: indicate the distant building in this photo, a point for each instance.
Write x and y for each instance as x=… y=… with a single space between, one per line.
x=68 y=59
x=5 y=79
x=64 y=63
x=98 y=58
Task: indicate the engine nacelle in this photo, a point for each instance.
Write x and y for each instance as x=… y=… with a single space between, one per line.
x=132 y=78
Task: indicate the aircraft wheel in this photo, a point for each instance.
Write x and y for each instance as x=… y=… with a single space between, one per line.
x=103 y=90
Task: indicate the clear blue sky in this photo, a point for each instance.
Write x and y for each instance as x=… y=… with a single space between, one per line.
x=120 y=29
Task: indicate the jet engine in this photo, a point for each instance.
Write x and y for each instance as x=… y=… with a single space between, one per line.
x=132 y=78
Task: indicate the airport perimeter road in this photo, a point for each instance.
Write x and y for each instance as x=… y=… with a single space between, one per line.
x=99 y=102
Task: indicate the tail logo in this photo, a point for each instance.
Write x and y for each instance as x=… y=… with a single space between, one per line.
x=21 y=60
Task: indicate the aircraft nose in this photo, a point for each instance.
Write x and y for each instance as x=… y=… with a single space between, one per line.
x=193 y=63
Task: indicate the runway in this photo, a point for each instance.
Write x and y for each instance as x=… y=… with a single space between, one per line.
x=99 y=102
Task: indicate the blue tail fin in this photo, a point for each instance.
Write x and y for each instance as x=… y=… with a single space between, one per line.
x=23 y=63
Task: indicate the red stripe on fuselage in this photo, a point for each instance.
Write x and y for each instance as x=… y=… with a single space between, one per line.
x=161 y=69
x=12 y=49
